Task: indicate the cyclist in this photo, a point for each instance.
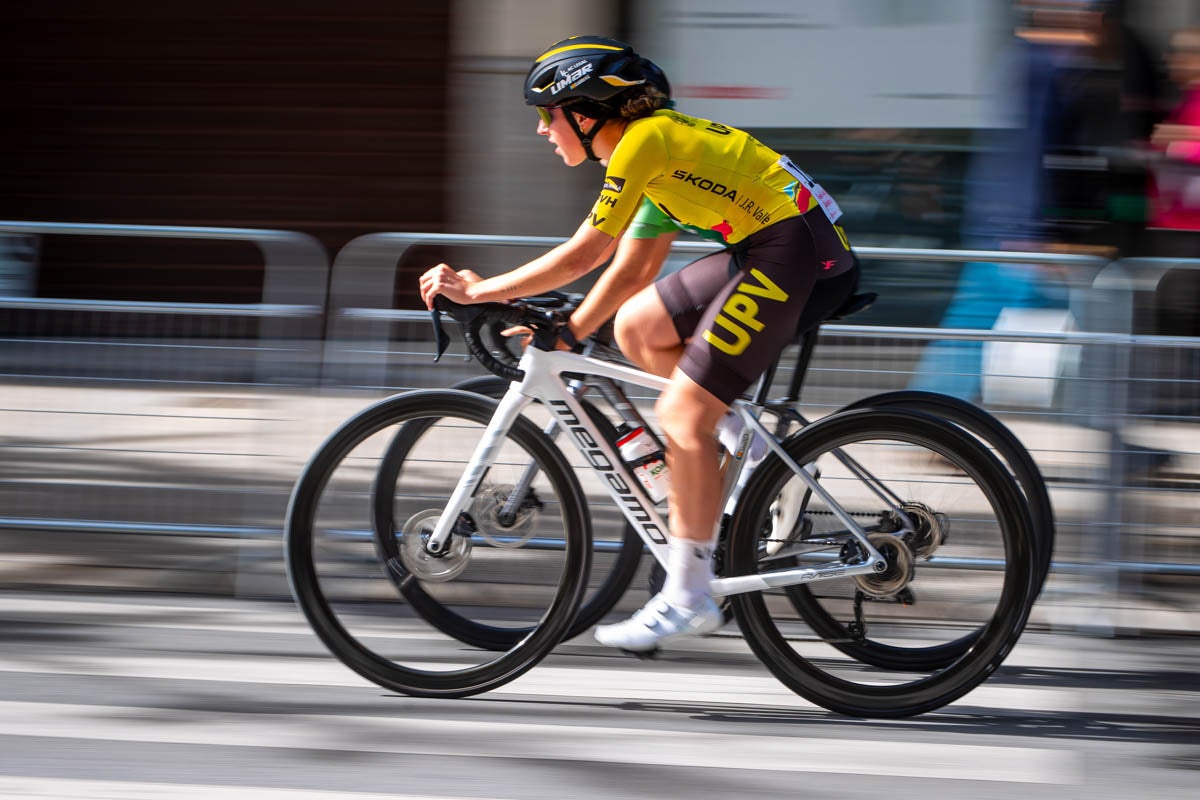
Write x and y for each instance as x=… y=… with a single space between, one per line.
x=712 y=327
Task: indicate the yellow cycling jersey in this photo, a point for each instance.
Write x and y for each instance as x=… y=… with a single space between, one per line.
x=703 y=176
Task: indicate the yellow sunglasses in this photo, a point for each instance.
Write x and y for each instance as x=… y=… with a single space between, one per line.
x=545 y=113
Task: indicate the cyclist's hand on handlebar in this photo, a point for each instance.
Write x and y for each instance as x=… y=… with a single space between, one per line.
x=526 y=334
x=444 y=280
x=523 y=331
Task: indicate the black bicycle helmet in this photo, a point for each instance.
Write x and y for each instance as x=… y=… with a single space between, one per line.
x=593 y=75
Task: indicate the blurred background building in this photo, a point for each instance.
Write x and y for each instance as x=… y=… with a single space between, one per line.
x=364 y=116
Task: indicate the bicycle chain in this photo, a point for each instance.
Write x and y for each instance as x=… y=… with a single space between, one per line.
x=868 y=514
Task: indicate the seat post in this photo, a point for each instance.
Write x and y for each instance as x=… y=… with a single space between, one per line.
x=808 y=341
x=764 y=384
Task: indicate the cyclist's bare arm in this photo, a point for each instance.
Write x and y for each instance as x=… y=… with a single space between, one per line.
x=569 y=261
x=635 y=266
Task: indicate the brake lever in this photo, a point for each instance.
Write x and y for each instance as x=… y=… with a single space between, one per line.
x=461 y=313
x=441 y=339
x=545 y=336
x=547 y=320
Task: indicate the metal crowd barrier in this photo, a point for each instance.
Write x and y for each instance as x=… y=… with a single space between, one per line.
x=363 y=322
x=1122 y=529
x=127 y=418
x=178 y=341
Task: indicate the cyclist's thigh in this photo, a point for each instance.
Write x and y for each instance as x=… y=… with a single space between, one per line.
x=644 y=321
x=686 y=293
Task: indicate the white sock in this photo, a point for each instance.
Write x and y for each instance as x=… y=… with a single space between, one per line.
x=729 y=432
x=689 y=569
x=729 y=429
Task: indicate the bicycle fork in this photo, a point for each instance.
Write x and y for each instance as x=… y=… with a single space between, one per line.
x=511 y=406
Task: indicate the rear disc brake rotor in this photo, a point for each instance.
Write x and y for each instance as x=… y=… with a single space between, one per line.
x=899 y=572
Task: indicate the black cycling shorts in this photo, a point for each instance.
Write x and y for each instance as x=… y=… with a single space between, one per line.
x=737 y=309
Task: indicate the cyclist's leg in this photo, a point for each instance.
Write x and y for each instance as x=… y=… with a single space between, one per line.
x=739 y=333
x=654 y=329
x=651 y=333
x=742 y=311
x=646 y=335
x=688 y=414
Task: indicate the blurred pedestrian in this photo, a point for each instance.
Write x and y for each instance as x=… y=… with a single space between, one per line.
x=1176 y=192
x=1140 y=91
x=1177 y=178
x=1008 y=196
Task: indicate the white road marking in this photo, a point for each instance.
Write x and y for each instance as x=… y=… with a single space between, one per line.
x=473 y=739
x=650 y=684
x=19 y=788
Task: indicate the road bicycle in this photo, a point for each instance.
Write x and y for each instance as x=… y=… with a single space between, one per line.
x=882 y=489
x=618 y=566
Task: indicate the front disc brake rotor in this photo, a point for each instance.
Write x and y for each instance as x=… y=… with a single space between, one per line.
x=425 y=565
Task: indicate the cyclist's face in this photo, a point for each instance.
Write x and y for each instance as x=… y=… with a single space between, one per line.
x=558 y=131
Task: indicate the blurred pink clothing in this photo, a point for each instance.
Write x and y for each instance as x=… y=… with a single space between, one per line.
x=1176 y=189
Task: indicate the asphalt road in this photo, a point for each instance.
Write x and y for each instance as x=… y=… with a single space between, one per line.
x=162 y=696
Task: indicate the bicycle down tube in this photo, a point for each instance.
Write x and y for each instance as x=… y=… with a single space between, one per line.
x=544 y=381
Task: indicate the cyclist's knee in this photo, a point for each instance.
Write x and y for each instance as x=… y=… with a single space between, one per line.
x=625 y=330
x=688 y=414
x=642 y=323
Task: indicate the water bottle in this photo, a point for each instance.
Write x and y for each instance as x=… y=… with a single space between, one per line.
x=649 y=465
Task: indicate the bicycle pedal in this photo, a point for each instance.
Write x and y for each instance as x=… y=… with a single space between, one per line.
x=644 y=655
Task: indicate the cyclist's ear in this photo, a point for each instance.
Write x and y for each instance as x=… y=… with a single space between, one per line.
x=586 y=123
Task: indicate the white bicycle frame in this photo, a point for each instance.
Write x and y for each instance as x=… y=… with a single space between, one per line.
x=545 y=381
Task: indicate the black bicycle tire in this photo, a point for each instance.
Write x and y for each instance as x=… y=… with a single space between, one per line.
x=993 y=641
x=1013 y=454
x=1029 y=479
x=306 y=588
x=596 y=605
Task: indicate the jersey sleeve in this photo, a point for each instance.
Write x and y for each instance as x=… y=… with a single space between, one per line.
x=650 y=222
x=641 y=156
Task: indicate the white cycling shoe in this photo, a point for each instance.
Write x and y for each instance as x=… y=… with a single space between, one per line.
x=659 y=621
x=787 y=523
